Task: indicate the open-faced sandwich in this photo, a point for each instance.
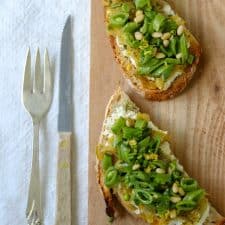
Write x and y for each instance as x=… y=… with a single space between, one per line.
x=136 y=165
x=156 y=51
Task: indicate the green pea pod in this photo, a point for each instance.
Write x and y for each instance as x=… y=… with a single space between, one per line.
x=118 y=20
x=111 y=177
x=189 y=184
x=142 y=196
x=106 y=162
x=183 y=48
x=194 y=195
x=185 y=205
x=141 y=3
x=130 y=27
x=158 y=21
x=118 y=125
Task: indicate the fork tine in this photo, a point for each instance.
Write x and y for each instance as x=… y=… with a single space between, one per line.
x=47 y=74
x=38 y=78
x=27 y=85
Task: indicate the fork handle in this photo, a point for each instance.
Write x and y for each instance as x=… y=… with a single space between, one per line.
x=34 y=196
x=63 y=196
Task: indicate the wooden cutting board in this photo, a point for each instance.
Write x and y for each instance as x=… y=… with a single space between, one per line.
x=195 y=119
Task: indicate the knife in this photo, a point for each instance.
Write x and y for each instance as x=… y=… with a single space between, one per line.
x=63 y=188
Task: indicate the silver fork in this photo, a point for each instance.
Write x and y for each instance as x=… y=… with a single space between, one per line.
x=37 y=97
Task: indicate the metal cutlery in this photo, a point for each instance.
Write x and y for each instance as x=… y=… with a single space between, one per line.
x=37 y=98
x=63 y=205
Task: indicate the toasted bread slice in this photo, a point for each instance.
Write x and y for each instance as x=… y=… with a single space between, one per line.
x=142 y=84
x=120 y=105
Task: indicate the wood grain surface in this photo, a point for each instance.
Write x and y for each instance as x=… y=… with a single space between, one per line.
x=195 y=119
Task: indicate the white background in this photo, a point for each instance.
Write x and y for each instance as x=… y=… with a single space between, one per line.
x=36 y=23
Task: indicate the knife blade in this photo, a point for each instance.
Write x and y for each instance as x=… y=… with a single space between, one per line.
x=63 y=188
x=65 y=84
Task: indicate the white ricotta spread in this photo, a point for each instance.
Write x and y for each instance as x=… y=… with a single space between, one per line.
x=125 y=53
x=171 y=79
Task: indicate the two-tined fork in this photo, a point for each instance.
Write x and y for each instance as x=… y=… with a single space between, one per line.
x=37 y=98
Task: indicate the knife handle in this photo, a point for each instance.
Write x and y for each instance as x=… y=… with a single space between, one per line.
x=63 y=188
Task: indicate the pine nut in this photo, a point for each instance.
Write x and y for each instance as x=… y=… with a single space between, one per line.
x=175 y=199
x=160 y=55
x=180 y=30
x=166 y=43
x=157 y=35
x=175 y=188
x=136 y=166
x=160 y=170
x=139 y=12
x=173 y=214
x=181 y=191
x=139 y=18
x=138 y=35
x=179 y=55
x=166 y=36
x=133 y=142
x=130 y=122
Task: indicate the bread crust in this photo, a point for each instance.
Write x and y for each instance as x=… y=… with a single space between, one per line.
x=214 y=217
x=145 y=87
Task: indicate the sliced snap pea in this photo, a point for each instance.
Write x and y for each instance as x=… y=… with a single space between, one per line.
x=142 y=196
x=183 y=48
x=141 y=3
x=167 y=52
x=126 y=7
x=143 y=144
x=126 y=197
x=164 y=71
x=144 y=28
x=158 y=21
x=118 y=125
x=140 y=123
x=106 y=162
x=173 y=46
x=118 y=20
x=189 y=184
x=115 y=5
x=130 y=40
x=161 y=179
x=132 y=133
x=130 y=27
x=185 y=205
x=123 y=153
x=111 y=177
x=123 y=167
x=172 y=61
x=148 y=69
x=190 y=59
x=195 y=195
